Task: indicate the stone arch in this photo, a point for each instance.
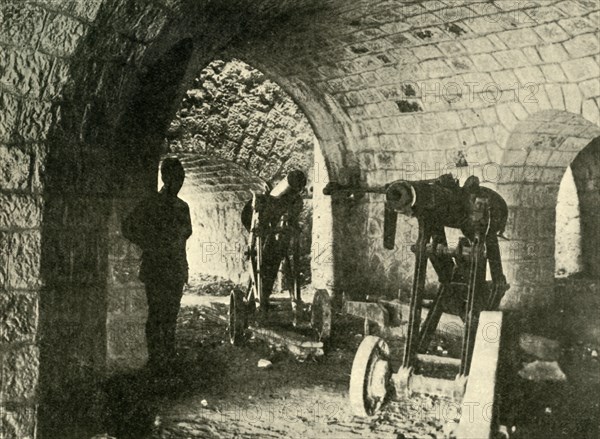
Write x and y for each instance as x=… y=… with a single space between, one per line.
x=536 y=156
x=97 y=119
x=74 y=65
x=586 y=170
x=277 y=154
x=92 y=307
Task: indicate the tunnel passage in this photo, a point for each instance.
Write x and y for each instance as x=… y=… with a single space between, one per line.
x=216 y=191
x=249 y=133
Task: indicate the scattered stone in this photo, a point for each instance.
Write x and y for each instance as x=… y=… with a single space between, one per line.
x=540 y=347
x=428 y=404
x=542 y=371
x=594 y=353
x=449 y=428
x=264 y=364
x=503 y=432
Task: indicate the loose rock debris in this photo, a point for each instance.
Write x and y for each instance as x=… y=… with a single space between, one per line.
x=309 y=399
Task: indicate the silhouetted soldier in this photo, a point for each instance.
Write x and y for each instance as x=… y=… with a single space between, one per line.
x=161 y=225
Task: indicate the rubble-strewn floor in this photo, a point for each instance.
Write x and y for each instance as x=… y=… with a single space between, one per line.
x=225 y=394
x=218 y=391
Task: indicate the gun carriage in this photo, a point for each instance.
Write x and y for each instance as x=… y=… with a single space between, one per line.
x=481 y=215
x=272 y=221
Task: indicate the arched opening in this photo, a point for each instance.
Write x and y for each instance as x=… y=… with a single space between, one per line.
x=93 y=309
x=235 y=132
x=578 y=287
x=586 y=174
x=567 y=253
x=577 y=219
x=543 y=226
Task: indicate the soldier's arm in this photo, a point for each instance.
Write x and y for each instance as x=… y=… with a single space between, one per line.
x=295 y=212
x=187 y=228
x=133 y=226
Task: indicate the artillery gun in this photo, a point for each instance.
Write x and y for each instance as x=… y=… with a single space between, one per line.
x=272 y=221
x=480 y=214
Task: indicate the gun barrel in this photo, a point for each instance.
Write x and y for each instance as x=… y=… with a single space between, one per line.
x=337 y=188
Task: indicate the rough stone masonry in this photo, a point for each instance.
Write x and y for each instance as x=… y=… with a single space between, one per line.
x=393 y=89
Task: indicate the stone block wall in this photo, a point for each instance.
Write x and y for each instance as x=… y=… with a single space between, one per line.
x=126 y=306
x=552 y=141
x=234 y=112
x=431 y=87
x=35 y=43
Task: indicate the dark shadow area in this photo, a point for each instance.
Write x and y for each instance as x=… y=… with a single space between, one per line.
x=133 y=400
x=547 y=409
x=81 y=186
x=145 y=120
x=208 y=367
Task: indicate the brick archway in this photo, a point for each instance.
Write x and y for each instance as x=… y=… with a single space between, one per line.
x=537 y=154
x=586 y=170
x=235 y=114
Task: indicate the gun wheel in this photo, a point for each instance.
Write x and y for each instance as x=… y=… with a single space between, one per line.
x=370 y=376
x=237 y=317
x=320 y=319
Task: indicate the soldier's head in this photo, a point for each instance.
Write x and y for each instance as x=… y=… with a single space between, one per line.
x=292 y=185
x=297 y=180
x=173 y=175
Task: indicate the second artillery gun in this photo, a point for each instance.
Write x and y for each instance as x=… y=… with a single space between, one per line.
x=272 y=220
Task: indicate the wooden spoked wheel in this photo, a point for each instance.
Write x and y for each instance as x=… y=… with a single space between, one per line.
x=237 y=317
x=320 y=319
x=370 y=376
